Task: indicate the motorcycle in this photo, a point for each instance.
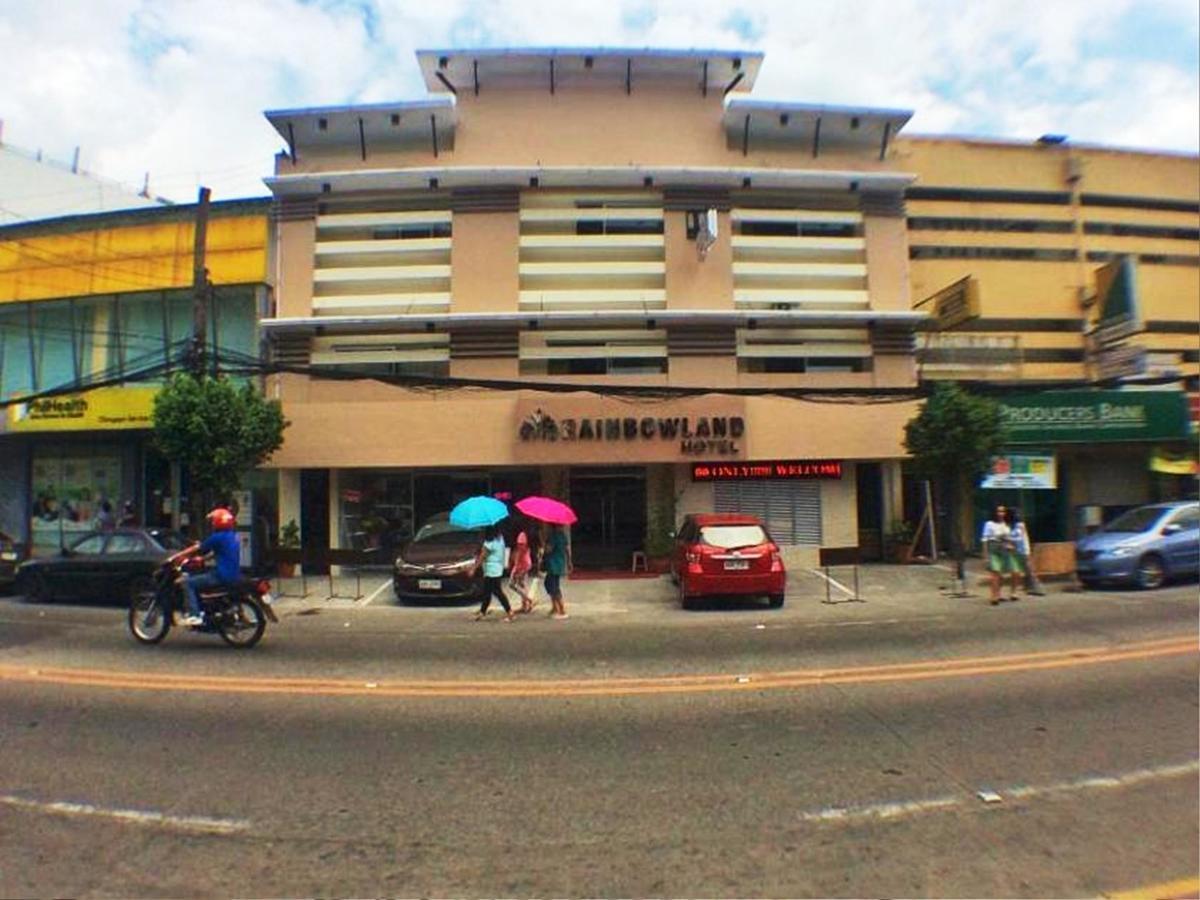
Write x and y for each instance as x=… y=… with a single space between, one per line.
x=238 y=612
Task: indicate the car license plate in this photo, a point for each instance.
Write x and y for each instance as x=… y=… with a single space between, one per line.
x=734 y=565
x=429 y=584
x=8 y=555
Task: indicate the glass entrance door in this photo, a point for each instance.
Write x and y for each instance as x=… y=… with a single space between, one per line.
x=611 y=506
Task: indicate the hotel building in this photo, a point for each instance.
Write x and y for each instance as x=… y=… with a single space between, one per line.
x=583 y=226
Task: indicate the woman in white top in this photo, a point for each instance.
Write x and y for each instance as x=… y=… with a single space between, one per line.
x=997 y=550
x=1022 y=551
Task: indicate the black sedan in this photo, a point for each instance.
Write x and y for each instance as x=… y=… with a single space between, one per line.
x=439 y=564
x=106 y=565
x=10 y=555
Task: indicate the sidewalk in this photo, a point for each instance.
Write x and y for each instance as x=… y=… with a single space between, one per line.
x=884 y=591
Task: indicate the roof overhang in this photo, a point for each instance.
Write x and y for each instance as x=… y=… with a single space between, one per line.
x=550 y=68
x=421 y=123
x=507 y=321
x=756 y=125
x=316 y=183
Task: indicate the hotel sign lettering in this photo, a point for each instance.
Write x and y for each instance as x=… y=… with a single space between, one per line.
x=692 y=435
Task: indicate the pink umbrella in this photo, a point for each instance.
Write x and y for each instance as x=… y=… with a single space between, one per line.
x=546 y=509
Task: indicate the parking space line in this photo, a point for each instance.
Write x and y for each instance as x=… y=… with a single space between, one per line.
x=368 y=599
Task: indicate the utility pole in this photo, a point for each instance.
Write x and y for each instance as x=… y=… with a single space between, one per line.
x=196 y=352
x=200 y=286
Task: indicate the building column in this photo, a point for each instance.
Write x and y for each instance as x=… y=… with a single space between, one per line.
x=892 y=491
x=289 y=498
x=335 y=532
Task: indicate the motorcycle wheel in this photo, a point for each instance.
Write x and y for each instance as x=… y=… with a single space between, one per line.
x=148 y=621
x=243 y=623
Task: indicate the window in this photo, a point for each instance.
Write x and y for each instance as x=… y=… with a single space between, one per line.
x=1189 y=519
x=89 y=545
x=631 y=351
x=972 y=223
x=1122 y=229
x=124 y=544
x=16 y=372
x=730 y=537
x=1039 y=254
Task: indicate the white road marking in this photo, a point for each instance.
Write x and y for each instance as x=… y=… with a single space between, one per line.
x=149 y=818
x=879 y=810
x=914 y=807
x=370 y=598
x=837 y=584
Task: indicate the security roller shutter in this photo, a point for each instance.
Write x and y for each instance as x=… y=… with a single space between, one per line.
x=790 y=509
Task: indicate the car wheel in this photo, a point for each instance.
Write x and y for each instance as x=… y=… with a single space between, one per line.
x=776 y=601
x=35 y=588
x=1150 y=572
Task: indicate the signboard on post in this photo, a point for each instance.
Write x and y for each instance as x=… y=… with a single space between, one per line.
x=1109 y=352
x=1023 y=471
x=956 y=304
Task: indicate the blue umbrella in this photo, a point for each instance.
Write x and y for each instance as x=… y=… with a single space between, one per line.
x=478 y=512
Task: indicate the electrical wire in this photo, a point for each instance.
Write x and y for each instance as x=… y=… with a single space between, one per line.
x=237 y=364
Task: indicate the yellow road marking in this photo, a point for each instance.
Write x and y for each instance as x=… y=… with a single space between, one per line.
x=667 y=684
x=1169 y=890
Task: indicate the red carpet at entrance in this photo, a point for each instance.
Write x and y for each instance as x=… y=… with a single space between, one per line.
x=605 y=574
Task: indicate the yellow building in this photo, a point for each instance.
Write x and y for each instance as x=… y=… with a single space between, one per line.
x=1016 y=249
x=95 y=311
x=615 y=234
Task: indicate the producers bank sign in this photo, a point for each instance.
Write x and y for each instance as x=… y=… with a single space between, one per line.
x=1094 y=416
x=672 y=433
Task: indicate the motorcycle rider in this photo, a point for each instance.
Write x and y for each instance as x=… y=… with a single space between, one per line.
x=224 y=546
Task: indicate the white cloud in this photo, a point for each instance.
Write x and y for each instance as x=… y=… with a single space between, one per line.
x=177 y=88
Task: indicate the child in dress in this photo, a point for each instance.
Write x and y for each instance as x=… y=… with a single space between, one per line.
x=520 y=572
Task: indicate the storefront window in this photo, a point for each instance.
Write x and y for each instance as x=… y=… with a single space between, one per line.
x=375 y=511
x=380 y=510
x=16 y=371
x=73 y=494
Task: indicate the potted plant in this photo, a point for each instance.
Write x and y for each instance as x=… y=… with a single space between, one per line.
x=289 y=539
x=899 y=541
x=660 y=537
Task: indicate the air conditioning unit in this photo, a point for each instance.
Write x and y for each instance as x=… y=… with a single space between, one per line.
x=706 y=234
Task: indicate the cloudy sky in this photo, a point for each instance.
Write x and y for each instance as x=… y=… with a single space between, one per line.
x=177 y=88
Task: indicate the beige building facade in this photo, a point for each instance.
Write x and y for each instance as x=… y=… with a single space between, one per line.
x=603 y=276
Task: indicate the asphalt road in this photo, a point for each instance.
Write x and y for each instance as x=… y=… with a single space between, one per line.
x=882 y=765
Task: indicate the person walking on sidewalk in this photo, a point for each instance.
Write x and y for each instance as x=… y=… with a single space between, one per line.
x=519 y=572
x=557 y=560
x=997 y=550
x=1023 y=551
x=491 y=557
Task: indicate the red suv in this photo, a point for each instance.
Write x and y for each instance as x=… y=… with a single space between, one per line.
x=722 y=554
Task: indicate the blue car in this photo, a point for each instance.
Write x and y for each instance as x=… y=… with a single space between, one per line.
x=1144 y=546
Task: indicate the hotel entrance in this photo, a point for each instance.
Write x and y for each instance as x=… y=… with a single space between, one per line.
x=611 y=506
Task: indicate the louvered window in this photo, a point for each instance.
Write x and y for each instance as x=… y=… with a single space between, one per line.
x=790 y=509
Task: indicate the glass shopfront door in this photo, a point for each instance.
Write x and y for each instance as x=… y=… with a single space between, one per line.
x=611 y=506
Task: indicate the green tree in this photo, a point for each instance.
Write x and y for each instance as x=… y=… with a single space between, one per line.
x=953 y=439
x=217 y=430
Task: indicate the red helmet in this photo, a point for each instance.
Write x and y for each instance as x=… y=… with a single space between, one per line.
x=221 y=519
